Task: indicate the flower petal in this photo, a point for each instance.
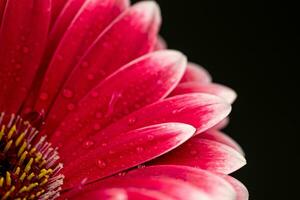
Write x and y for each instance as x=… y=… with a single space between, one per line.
x=219 y=90
x=119 y=194
x=148 y=79
x=222 y=138
x=213 y=185
x=196 y=73
x=173 y=188
x=2 y=9
x=205 y=154
x=199 y=110
x=221 y=125
x=241 y=190
x=160 y=44
x=23 y=35
x=84 y=29
x=126 y=150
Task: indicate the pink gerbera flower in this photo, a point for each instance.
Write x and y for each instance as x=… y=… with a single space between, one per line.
x=88 y=95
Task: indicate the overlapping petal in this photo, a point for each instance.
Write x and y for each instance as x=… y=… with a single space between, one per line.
x=140 y=24
x=125 y=150
x=219 y=90
x=112 y=99
x=23 y=35
x=205 y=154
x=196 y=73
x=172 y=188
x=213 y=185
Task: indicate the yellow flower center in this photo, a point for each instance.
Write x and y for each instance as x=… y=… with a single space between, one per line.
x=29 y=165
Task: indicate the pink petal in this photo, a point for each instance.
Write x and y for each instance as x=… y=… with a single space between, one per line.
x=141 y=82
x=222 y=138
x=222 y=124
x=119 y=194
x=23 y=35
x=199 y=110
x=173 y=188
x=160 y=44
x=109 y=52
x=56 y=8
x=126 y=150
x=205 y=154
x=196 y=73
x=241 y=190
x=219 y=90
x=84 y=29
x=213 y=185
x=2 y=8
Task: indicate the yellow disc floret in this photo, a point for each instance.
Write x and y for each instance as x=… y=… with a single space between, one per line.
x=29 y=165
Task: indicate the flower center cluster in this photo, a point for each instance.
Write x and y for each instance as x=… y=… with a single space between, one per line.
x=29 y=165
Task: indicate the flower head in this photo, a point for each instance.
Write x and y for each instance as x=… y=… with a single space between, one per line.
x=93 y=106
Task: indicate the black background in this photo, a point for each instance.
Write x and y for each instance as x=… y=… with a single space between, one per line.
x=251 y=47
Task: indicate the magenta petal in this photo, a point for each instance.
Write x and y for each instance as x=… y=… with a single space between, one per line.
x=219 y=90
x=222 y=138
x=205 y=154
x=2 y=8
x=23 y=35
x=77 y=39
x=126 y=150
x=196 y=73
x=172 y=188
x=199 y=110
x=241 y=190
x=148 y=79
x=160 y=44
x=222 y=124
x=213 y=185
x=130 y=193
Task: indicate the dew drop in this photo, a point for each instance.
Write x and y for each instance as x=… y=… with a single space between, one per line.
x=44 y=96
x=97 y=127
x=193 y=152
x=85 y=64
x=99 y=115
x=25 y=50
x=18 y=66
x=150 y=137
x=70 y=107
x=88 y=144
x=67 y=93
x=141 y=166
x=90 y=77
x=94 y=94
x=131 y=120
x=122 y=174
x=140 y=149
x=101 y=163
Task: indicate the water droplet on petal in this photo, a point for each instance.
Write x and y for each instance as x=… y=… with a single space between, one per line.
x=101 y=163
x=131 y=120
x=44 y=96
x=99 y=115
x=25 y=50
x=67 y=93
x=70 y=107
x=140 y=149
x=94 y=94
x=85 y=64
x=97 y=127
x=122 y=174
x=193 y=152
x=88 y=144
x=150 y=137
x=90 y=77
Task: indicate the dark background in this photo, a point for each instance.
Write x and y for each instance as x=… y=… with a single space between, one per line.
x=252 y=47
